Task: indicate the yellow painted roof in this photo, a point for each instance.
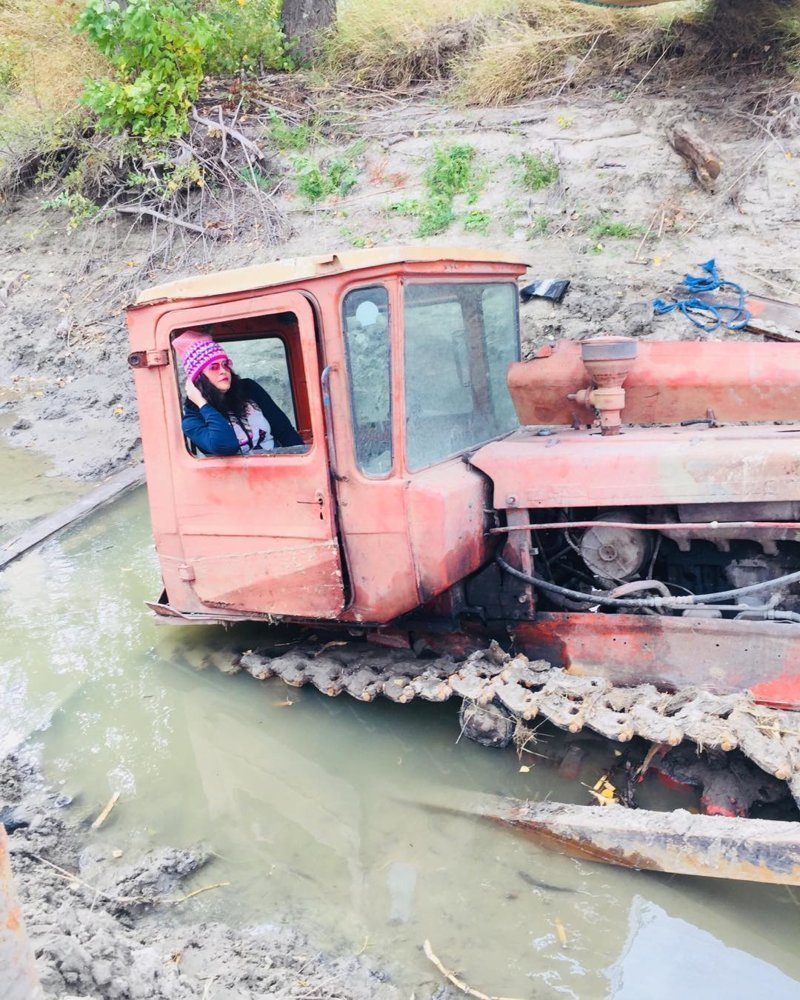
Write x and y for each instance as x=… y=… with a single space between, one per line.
x=302 y=268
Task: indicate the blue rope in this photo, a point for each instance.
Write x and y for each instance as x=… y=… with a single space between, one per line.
x=710 y=281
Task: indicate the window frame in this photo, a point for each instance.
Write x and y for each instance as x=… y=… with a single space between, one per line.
x=346 y=352
x=291 y=357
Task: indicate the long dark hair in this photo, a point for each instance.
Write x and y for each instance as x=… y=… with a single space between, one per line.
x=233 y=402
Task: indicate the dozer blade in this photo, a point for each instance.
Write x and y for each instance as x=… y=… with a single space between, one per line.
x=752 y=850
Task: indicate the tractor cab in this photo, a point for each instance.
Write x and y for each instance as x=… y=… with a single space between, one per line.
x=391 y=364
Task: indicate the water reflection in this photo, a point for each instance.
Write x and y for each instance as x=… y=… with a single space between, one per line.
x=676 y=959
x=315 y=809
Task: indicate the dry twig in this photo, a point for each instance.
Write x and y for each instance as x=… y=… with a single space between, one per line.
x=451 y=977
x=106 y=811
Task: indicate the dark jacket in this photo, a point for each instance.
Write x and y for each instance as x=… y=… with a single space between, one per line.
x=213 y=434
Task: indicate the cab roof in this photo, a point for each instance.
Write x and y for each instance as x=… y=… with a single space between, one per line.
x=294 y=269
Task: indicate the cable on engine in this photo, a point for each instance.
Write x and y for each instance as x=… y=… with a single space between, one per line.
x=677 y=603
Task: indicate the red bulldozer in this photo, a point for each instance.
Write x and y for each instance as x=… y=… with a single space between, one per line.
x=607 y=535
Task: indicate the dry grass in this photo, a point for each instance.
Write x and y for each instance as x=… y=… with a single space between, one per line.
x=43 y=64
x=389 y=44
x=498 y=51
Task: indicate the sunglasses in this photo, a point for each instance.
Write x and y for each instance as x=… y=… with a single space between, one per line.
x=219 y=366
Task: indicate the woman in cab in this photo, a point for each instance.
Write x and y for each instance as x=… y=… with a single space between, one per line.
x=225 y=414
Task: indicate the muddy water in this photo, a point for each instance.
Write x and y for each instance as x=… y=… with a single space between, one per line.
x=28 y=490
x=312 y=804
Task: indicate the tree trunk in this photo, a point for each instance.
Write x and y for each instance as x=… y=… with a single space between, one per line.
x=304 y=19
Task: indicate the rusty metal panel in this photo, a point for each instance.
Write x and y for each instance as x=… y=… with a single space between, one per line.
x=18 y=977
x=445 y=514
x=643 y=465
x=721 y=656
x=670 y=381
x=751 y=850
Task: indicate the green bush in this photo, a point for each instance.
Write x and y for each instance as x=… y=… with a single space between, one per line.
x=247 y=35
x=156 y=48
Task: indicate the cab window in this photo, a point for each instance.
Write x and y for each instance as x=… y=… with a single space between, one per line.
x=266 y=350
x=459 y=341
x=365 y=321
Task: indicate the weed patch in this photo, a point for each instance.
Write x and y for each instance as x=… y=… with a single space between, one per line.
x=79 y=207
x=607 y=228
x=317 y=180
x=540 y=226
x=536 y=171
x=451 y=172
x=477 y=222
x=285 y=136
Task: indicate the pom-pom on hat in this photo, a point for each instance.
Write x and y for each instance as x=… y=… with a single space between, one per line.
x=197 y=351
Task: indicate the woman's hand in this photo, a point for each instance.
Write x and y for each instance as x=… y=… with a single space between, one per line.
x=194 y=394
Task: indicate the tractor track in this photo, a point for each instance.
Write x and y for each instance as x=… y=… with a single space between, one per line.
x=528 y=689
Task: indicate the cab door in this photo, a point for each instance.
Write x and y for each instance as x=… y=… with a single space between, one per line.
x=256 y=533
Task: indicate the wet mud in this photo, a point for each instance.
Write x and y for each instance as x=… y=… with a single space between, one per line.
x=106 y=928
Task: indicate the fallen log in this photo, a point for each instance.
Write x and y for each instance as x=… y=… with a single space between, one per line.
x=698 y=154
x=112 y=488
x=678 y=842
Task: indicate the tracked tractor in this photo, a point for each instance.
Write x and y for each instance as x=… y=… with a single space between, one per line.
x=607 y=534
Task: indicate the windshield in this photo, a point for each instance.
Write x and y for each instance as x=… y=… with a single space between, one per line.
x=459 y=341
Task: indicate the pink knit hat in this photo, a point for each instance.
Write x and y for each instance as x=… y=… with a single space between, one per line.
x=197 y=351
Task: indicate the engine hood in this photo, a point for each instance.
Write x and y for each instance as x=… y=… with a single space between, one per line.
x=543 y=467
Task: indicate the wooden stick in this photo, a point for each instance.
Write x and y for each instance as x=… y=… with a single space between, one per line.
x=645 y=77
x=182 y=899
x=142 y=210
x=451 y=977
x=575 y=71
x=772 y=284
x=243 y=141
x=114 y=487
x=106 y=812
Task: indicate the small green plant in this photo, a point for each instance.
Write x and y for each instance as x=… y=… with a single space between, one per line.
x=318 y=180
x=451 y=172
x=477 y=222
x=409 y=207
x=285 y=136
x=540 y=226
x=607 y=228
x=156 y=48
x=435 y=216
x=537 y=172
x=618 y=95
x=256 y=177
x=79 y=207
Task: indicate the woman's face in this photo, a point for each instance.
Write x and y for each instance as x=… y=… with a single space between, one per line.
x=218 y=374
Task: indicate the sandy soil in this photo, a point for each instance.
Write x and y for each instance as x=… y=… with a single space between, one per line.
x=66 y=392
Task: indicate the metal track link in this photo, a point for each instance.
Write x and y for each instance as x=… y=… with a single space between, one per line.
x=530 y=688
